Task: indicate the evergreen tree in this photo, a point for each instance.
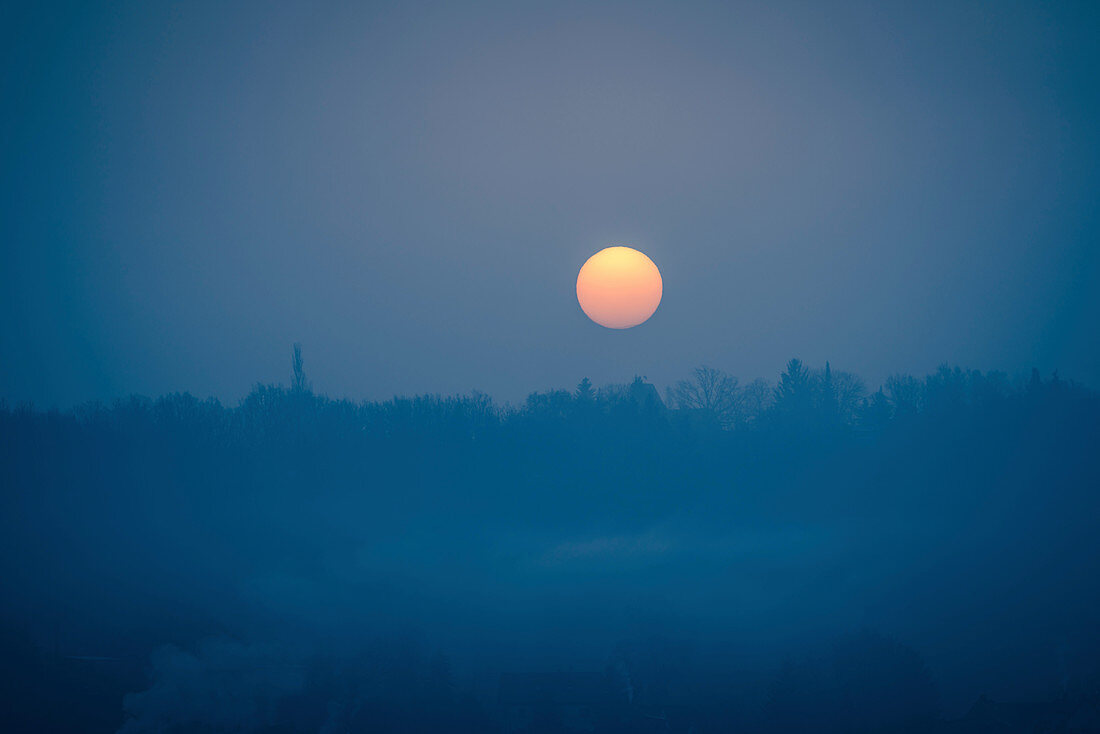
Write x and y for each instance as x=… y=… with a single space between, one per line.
x=584 y=392
x=301 y=384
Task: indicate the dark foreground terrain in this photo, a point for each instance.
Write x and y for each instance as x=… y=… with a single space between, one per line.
x=789 y=557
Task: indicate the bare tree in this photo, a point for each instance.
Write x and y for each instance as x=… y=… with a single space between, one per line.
x=709 y=390
x=850 y=391
x=754 y=399
x=906 y=394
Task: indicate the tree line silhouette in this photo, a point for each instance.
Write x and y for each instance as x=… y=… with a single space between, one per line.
x=801 y=400
x=325 y=523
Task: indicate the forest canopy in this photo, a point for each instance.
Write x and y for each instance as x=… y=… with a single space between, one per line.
x=601 y=527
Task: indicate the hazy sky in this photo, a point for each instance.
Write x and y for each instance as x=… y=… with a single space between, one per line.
x=409 y=190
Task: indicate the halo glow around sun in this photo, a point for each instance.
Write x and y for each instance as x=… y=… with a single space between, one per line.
x=619 y=287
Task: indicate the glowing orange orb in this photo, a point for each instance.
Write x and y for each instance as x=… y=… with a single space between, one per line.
x=619 y=287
